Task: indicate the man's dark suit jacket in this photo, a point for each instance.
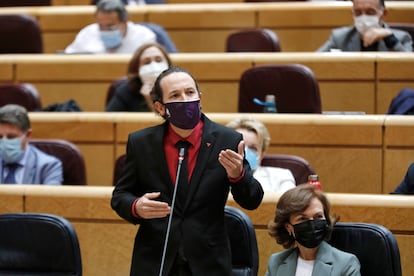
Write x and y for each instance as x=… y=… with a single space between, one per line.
x=199 y=223
x=347 y=39
x=407 y=184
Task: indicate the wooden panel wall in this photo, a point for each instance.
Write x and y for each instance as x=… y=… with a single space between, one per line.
x=106 y=241
x=364 y=82
x=367 y=152
x=204 y=27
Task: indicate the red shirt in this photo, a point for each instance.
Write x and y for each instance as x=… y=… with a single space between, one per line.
x=171 y=151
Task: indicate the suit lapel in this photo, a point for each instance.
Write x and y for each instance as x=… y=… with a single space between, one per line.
x=324 y=261
x=207 y=144
x=157 y=148
x=29 y=171
x=288 y=265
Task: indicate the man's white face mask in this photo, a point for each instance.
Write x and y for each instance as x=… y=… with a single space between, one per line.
x=365 y=22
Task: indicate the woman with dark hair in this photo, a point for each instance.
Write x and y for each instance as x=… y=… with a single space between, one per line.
x=301 y=225
x=146 y=64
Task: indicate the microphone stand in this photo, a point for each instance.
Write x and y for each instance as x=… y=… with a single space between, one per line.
x=180 y=161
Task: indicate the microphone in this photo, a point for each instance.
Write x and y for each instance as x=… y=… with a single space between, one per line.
x=167 y=235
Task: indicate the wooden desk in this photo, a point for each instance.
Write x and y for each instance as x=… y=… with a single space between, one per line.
x=204 y=27
x=106 y=241
x=363 y=151
x=348 y=81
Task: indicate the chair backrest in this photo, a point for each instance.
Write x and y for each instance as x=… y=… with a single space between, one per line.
x=23 y=94
x=112 y=88
x=38 y=244
x=373 y=244
x=243 y=243
x=253 y=40
x=408 y=27
x=20 y=33
x=162 y=36
x=294 y=85
x=299 y=166
x=16 y=3
x=73 y=163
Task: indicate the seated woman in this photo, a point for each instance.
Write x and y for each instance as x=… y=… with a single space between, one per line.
x=302 y=224
x=146 y=64
x=257 y=140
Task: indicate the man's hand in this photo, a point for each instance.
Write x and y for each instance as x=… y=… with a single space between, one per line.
x=374 y=34
x=148 y=208
x=233 y=161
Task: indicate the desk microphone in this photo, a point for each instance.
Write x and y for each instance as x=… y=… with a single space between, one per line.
x=180 y=161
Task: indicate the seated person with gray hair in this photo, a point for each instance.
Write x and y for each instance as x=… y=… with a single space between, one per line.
x=112 y=33
x=22 y=163
x=257 y=139
x=369 y=32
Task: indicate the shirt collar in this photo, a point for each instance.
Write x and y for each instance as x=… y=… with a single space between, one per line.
x=194 y=137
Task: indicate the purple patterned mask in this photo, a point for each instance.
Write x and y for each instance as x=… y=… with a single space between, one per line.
x=184 y=115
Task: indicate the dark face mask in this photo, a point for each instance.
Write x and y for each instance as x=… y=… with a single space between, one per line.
x=311 y=233
x=184 y=115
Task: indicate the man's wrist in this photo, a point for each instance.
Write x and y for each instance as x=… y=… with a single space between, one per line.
x=390 y=40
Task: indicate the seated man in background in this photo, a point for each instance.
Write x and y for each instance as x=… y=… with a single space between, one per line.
x=407 y=184
x=112 y=32
x=22 y=163
x=257 y=139
x=369 y=32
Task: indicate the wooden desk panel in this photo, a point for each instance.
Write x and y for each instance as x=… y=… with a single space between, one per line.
x=58 y=68
x=342 y=96
x=347 y=81
x=6 y=70
x=330 y=15
x=394 y=73
x=386 y=91
x=106 y=240
x=301 y=39
x=90 y=96
x=399 y=149
x=303 y=26
x=11 y=199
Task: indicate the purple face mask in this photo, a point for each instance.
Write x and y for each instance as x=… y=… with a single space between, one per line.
x=184 y=115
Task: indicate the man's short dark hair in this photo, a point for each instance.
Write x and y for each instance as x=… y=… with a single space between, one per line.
x=156 y=92
x=112 y=6
x=16 y=115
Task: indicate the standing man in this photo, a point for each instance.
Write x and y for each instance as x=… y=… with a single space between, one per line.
x=21 y=162
x=198 y=240
x=112 y=33
x=369 y=32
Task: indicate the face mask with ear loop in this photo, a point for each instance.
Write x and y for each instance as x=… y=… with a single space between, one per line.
x=184 y=115
x=365 y=22
x=310 y=233
x=11 y=149
x=111 y=39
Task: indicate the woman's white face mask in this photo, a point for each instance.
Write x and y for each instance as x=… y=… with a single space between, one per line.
x=148 y=73
x=365 y=22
